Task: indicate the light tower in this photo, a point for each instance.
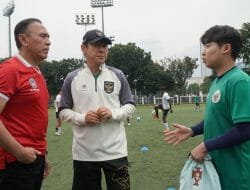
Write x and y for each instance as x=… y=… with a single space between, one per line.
x=85 y=19
x=101 y=3
x=7 y=11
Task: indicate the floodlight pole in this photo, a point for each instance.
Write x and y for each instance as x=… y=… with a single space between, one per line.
x=102 y=4
x=135 y=83
x=8 y=10
x=201 y=60
x=102 y=21
x=10 y=53
x=85 y=19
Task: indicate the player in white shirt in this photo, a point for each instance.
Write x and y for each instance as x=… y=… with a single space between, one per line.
x=165 y=106
x=58 y=120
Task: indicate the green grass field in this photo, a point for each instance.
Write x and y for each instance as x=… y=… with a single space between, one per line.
x=155 y=169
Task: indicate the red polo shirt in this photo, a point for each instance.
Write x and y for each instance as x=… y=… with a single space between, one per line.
x=26 y=111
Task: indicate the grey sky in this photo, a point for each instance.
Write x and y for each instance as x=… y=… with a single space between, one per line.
x=166 y=28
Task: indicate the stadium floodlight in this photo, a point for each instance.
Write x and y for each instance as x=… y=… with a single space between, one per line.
x=112 y=38
x=85 y=19
x=101 y=3
x=7 y=11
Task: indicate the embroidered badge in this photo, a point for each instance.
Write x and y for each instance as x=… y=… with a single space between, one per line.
x=84 y=87
x=32 y=83
x=108 y=87
x=197 y=176
x=99 y=33
x=121 y=177
x=216 y=96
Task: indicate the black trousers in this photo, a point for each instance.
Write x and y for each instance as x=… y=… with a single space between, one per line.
x=20 y=176
x=87 y=175
x=164 y=115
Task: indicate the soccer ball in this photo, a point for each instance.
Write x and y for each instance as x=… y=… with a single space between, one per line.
x=153 y=112
x=138 y=118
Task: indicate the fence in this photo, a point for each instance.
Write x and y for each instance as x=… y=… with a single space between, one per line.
x=175 y=99
x=143 y=100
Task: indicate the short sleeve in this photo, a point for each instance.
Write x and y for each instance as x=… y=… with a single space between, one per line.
x=8 y=81
x=239 y=101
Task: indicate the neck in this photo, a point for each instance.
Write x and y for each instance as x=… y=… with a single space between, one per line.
x=29 y=58
x=94 y=68
x=224 y=67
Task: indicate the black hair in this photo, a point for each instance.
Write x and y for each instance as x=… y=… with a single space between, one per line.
x=21 y=28
x=223 y=35
x=163 y=88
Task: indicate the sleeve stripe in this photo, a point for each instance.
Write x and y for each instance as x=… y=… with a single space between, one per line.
x=4 y=97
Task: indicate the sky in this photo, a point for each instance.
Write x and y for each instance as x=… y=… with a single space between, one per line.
x=166 y=28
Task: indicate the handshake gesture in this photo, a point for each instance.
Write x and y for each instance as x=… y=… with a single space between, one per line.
x=98 y=116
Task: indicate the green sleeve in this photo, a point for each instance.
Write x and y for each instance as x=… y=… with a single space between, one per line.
x=239 y=101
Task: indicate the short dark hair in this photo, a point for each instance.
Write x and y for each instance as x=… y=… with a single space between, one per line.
x=223 y=35
x=21 y=28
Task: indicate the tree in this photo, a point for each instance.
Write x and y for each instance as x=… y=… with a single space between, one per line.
x=180 y=70
x=138 y=66
x=193 y=88
x=245 y=50
x=3 y=59
x=131 y=59
x=206 y=83
x=157 y=78
x=56 y=71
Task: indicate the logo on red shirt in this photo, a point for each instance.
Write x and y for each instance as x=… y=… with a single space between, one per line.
x=33 y=84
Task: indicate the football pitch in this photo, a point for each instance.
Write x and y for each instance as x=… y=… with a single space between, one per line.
x=156 y=168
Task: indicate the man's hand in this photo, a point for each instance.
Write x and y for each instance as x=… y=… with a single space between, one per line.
x=92 y=118
x=27 y=155
x=181 y=133
x=104 y=113
x=199 y=152
x=47 y=167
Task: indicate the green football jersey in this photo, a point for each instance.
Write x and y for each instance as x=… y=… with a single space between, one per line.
x=228 y=103
x=196 y=99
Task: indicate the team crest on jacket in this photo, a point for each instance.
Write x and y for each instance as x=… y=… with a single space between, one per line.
x=197 y=176
x=108 y=86
x=32 y=83
x=216 y=96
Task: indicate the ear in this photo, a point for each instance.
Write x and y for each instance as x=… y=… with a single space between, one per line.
x=226 y=48
x=84 y=48
x=22 y=39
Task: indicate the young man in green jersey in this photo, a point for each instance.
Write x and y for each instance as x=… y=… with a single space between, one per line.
x=226 y=125
x=197 y=102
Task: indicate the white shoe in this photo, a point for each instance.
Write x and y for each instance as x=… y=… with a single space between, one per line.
x=129 y=124
x=165 y=125
x=58 y=133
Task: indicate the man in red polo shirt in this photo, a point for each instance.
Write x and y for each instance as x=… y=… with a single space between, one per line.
x=24 y=110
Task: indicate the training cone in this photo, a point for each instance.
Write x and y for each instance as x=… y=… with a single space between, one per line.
x=170 y=188
x=144 y=149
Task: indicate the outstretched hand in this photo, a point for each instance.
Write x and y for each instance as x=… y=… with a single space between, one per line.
x=178 y=135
